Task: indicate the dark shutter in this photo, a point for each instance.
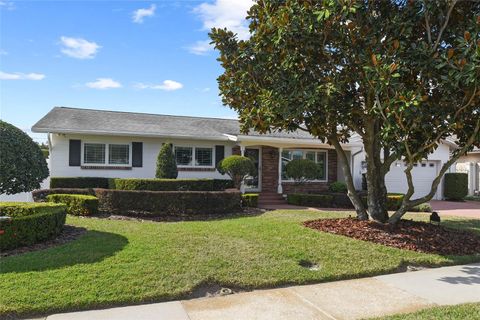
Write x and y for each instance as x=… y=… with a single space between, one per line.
x=75 y=153
x=137 y=154
x=219 y=154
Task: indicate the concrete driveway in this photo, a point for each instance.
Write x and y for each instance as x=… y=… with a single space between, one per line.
x=469 y=209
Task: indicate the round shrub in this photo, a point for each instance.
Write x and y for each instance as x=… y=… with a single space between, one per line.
x=22 y=164
x=237 y=168
x=301 y=170
x=338 y=186
x=77 y=204
x=24 y=224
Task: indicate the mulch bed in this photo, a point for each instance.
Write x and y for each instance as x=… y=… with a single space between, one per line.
x=410 y=235
x=68 y=234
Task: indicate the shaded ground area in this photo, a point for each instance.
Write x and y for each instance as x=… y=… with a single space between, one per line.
x=411 y=235
x=453 y=208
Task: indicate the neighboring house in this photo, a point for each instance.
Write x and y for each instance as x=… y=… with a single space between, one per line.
x=100 y=143
x=470 y=163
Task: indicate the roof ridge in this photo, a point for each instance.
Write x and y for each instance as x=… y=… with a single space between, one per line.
x=145 y=113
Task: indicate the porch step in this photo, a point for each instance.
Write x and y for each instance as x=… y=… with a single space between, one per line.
x=270 y=199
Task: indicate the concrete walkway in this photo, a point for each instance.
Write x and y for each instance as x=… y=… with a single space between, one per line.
x=351 y=299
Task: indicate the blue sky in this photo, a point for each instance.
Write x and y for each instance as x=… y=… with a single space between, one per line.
x=143 y=56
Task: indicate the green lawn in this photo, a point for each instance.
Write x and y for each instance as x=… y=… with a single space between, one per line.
x=459 y=312
x=125 y=262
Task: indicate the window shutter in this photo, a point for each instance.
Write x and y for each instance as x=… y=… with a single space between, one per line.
x=74 y=153
x=137 y=154
x=219 y=154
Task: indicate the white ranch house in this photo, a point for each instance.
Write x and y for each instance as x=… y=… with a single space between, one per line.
x=98 y=143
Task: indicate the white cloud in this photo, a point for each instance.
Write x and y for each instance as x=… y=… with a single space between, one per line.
x=79 y=48
x=104 y=83
x=228 y=14
x=140 y=14
x=167 y=85
x=21 y=76
x=200 y=47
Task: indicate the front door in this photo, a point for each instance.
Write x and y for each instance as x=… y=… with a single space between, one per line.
x=252 y=183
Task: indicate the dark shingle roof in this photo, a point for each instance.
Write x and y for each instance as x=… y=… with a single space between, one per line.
x=88 y=121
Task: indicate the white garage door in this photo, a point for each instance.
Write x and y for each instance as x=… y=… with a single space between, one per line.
x=423 y=174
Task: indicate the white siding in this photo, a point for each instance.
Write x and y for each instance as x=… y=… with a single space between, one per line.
x=59 y=166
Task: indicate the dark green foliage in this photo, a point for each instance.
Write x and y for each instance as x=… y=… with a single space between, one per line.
x=41 y=195
x=30 y=223
x=22 y=164
x=250 y=200
x=166 y=164
x=237 y=168
x=79 y=182
x=338 y=186
x=170 y=184
x=314 y=200
x=77 y=204
x=301 y=170
x=456 y=186
x=168 y=203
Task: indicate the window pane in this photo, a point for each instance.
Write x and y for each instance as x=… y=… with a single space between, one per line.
x=297 y=154
x=183 y=156
x=94 y=153
x=203 y=156
x=322 y=169
x=118 y=153
x=310 y=155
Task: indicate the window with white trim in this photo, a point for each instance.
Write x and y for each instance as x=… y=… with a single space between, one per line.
x=106 y=154
x=94 y=153
x=319 y=157
x=194 y=156
x=118 y=153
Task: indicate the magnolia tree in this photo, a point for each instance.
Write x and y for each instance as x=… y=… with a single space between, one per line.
x=403 y=75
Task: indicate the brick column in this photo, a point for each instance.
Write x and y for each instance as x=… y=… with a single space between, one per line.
x=269 y=169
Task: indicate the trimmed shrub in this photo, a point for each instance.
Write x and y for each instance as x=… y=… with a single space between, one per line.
x=301 y=170
x=165 y=203
x=163 y=184
x=456 y=186
x=338 y=186
x=250 y=200
x=29 y=223
x=222 y=184
x=41 y=195
x=237 y=168
x=313 y=200
x=424 y=207
x=79 y=182
x=22 y=165
x=77 y=204
x=166 y=164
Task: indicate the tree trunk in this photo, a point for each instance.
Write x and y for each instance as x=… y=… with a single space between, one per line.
x=377 y=191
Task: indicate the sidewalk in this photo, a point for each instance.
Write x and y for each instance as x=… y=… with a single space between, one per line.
x=350 y=299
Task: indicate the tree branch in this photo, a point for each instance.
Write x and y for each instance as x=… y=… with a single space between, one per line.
x=447 y=18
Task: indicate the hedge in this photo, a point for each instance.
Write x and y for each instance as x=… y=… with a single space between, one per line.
x=250 y=200
x=456 y=186
x=314 y=200
x=79 y=182
x=77 y=204
x=29 y=223
x=170 y=184
x=41 y=195
x=164 y=203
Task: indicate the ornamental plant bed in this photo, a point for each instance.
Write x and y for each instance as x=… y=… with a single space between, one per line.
x=410 y=235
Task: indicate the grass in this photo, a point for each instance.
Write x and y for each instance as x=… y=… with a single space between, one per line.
x=458 y=312
x=128 y=262
x=472 y=198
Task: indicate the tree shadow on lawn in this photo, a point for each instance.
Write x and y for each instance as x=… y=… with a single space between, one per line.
x=472 y=225
x=94 y=246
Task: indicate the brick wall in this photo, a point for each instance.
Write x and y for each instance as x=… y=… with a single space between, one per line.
x=269 y=169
